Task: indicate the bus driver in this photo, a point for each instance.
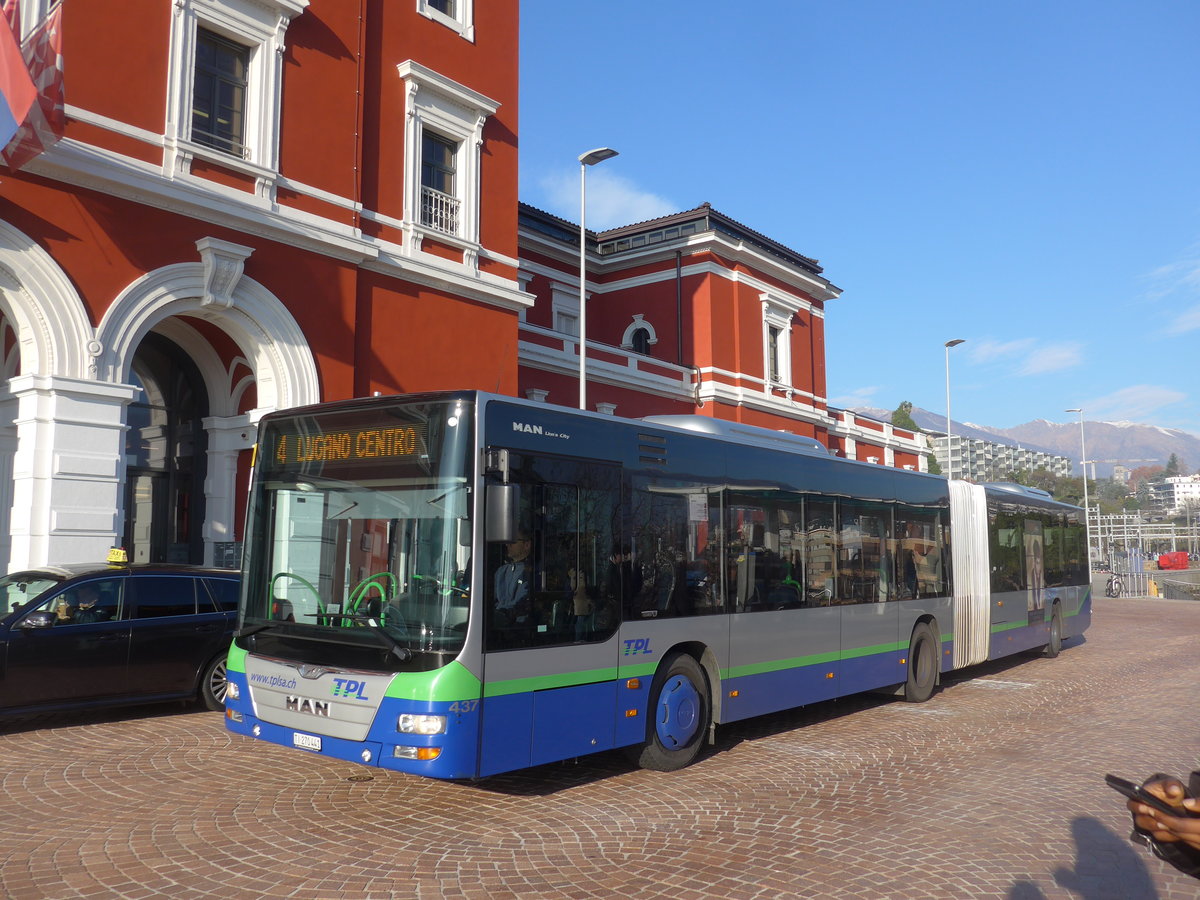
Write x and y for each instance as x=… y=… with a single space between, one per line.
x=512 y=581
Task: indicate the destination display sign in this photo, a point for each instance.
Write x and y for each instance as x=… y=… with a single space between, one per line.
x=351 y=445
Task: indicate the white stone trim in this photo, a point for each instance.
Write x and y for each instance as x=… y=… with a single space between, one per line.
x=67 y=468
x=111 y=173
x=43 y=306
x=284 y=367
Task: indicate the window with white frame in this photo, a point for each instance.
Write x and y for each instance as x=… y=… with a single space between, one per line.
x=458 y=15
x=225 y=80
x=219 y=93
x=639 y=336
x=564 y=305
x=439 y=164
x=777 y=341
x=443 y=143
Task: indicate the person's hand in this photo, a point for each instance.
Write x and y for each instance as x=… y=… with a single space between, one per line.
x=1164 y=828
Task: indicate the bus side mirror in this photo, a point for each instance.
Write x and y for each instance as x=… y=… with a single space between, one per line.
x=503 y=501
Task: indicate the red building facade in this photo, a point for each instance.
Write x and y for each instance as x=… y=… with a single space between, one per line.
x=691 y=313
x=270 y=203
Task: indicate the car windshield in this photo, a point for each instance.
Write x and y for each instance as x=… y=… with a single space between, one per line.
x=19 y=588
x=360 y=523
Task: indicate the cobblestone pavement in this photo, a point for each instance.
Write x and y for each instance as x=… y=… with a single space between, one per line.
x=992 y=789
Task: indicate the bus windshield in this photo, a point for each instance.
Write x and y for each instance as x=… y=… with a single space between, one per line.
x=362 y=527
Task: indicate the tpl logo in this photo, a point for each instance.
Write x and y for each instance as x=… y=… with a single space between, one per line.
x=634 y=646
x=349 y=689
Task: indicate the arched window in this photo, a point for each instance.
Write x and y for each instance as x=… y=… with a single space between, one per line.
x=639 y=336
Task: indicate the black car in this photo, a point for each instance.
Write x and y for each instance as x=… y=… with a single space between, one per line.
x=91 y=635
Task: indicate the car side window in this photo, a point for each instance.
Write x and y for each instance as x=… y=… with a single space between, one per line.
x=223 y=594
x=86 y=603
x=157 y=596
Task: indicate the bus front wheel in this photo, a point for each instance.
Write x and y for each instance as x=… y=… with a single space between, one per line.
x=680 y=709
x=1054 y=647
x=922 y=664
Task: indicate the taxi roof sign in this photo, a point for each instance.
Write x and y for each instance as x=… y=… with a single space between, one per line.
x=117 y=556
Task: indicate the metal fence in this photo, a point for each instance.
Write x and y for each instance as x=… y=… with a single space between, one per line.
x=1179 y=585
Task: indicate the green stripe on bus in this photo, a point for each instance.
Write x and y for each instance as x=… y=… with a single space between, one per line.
x=237 y=659
x=1008 y=626
x=815 y=659
x=546 y=682
x=444 y=685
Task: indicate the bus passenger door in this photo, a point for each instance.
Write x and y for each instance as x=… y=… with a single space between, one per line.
x=552 y=616
x=871 y=645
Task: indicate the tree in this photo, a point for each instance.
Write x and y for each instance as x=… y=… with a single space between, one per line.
x=932 y=465
x=1172 y=469
x=902 y=417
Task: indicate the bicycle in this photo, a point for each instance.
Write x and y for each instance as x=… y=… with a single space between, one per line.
x=1115 y=586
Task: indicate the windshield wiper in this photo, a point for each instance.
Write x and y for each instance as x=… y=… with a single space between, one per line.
x=398 y=650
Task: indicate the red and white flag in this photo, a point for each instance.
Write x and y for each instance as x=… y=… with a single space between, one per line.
x=47 y=118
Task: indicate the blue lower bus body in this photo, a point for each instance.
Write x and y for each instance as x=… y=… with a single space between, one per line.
x=512 y=728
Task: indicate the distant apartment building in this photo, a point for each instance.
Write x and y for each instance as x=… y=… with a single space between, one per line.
x=978 y=460
x=1177 y=495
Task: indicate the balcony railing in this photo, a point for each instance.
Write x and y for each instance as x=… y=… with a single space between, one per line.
x=439 y=211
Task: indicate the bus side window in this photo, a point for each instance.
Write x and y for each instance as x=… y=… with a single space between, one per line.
x=675 y=551
x=820 y=586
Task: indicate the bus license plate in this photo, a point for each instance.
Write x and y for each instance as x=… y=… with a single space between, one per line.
x=306 y=741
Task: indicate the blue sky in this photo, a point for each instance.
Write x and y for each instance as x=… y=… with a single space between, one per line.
x=1019 y=174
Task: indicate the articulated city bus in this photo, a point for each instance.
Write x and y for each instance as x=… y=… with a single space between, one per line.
x=461 y=584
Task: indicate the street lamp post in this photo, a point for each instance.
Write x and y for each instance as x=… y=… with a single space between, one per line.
x=1087 y=513
x=586 y=159
x=949 y=443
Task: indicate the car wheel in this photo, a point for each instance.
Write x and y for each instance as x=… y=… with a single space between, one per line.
x=214 y=683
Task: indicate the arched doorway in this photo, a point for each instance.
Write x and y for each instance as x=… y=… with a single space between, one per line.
x=165 y=456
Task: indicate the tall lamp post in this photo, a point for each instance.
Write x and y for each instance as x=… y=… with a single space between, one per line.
x=1087 y=513
x=586 y=159
x=949 y=443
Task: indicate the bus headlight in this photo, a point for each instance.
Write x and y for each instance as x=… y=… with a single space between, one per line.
x=233 y=691
x=412 y=723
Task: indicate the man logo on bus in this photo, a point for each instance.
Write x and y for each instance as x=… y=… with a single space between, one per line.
x=350 y=689
x=634 y=646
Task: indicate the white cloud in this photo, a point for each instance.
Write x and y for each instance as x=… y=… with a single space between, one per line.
x=1182 y=276
x=612 y=200
x=1136 y=403
x=862 y=396
x=1178 y=281
x=1028 y=356
x=987 y=350
x=1189 y=320
x=1052 y=358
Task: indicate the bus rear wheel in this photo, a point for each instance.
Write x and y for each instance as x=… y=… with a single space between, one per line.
x=680 y=710
x=922 y=664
